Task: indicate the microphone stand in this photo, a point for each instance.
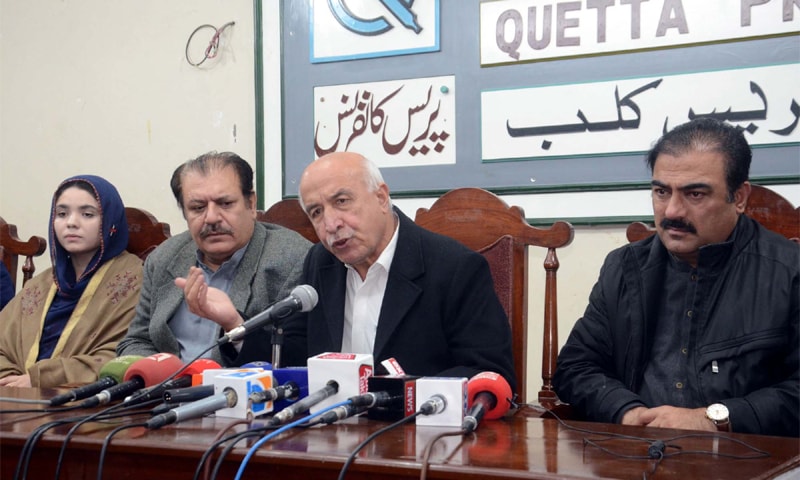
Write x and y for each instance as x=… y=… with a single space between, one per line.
x=277 y=344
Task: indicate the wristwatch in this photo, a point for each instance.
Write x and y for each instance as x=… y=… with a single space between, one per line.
x=718 y=414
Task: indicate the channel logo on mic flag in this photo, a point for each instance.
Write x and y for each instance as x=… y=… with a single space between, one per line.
x=364 y=372
x=350 y=370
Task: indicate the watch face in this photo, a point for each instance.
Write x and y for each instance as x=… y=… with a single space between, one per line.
x=717 y=412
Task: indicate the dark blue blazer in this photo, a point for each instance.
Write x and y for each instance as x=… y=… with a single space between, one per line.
x=440 y=314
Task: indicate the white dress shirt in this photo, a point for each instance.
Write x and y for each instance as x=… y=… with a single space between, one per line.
x=363 y=300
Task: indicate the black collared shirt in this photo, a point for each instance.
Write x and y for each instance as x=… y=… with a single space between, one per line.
x=670 y=377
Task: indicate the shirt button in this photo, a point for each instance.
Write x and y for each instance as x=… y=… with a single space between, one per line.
x=679 y=385
x=694 y=277
x=689 y=314
x=684 y=350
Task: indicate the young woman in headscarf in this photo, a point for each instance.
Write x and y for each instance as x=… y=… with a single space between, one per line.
x=65 y=323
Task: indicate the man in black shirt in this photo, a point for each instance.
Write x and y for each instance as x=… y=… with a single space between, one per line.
x=695 y=327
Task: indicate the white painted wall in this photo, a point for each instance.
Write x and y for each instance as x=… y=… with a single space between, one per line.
x=101 y=87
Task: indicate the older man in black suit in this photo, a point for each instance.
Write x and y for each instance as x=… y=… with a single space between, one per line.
x=391 y=288
x=387 y=286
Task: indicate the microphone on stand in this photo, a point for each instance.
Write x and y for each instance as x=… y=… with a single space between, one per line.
x=302 y=299
x=111 y=374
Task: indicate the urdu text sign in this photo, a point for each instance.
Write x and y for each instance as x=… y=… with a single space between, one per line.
x=626 y=116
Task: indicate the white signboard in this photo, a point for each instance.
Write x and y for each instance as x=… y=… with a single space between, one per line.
x=397 y=123
x=628 y=115
x=352 y=29
x=514 y=31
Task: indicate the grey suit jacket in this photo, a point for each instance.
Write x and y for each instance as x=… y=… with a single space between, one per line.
x=271 y=267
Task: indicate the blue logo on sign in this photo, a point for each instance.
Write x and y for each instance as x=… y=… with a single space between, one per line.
x=400 y=9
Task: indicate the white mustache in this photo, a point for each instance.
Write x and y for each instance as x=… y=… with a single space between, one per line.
x=343 y=234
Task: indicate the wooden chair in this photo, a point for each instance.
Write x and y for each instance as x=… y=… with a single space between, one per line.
x=145 y=232
x=764 y=205
x=288 y=213
x=11 y=248
x=485 y=223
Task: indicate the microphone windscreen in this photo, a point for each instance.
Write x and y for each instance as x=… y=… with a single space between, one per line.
x=117 y=367
x=154 y=369
x=307 y=296
x=495 y=384
x=199 y=366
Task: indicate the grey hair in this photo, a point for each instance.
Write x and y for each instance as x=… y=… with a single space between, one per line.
x=372 y=179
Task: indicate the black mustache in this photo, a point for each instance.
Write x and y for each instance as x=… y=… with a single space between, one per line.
x=213 y=229
x=679 y=224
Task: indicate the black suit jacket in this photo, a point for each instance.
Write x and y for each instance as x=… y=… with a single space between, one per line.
x=440 y=315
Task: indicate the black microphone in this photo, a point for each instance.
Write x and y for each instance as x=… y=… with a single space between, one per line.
x=189 y=394
x=357 y=405
x=288 y=413
x=287 y=390
x=142 y=373
x=110 y=375
x=341 y=412
x=226 y=399
x=434 y=405
x=373 y=399
x=403 y=392
x=115 y=392
x=302 y=299
x=183 y=380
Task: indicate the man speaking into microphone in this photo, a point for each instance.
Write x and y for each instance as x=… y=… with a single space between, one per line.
x=386 y=286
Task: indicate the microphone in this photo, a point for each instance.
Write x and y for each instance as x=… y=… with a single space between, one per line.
x=302 y=299
x=284 y=375
x=226 y=399
x=357 y=405
x=372 y=399
x=402 y=390
x=340 y=413
x=145 y=372
x=183 y=380
x=287 y=390
x=110 y=375
x=301 y=406
x=488 y=394
x=189 y=394
x=351 y=371
x=434 y=405
x=442 y=401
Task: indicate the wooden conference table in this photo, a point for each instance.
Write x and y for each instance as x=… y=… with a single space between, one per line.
x=520 y=446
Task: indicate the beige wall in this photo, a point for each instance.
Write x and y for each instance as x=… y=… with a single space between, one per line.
x=102 y=87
